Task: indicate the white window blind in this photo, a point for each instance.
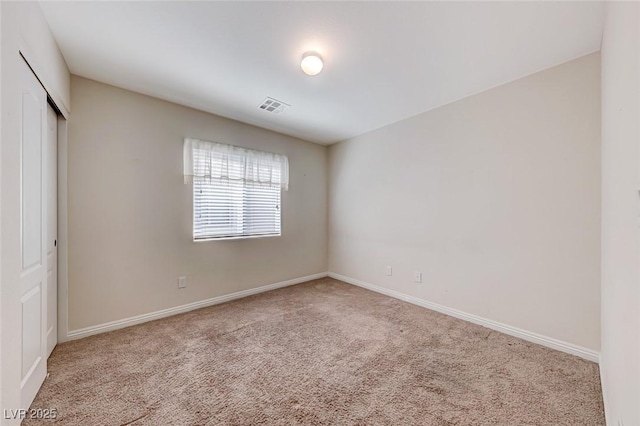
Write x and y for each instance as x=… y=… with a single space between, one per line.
x=236 y=191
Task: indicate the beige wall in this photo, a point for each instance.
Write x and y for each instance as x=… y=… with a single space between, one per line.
x=130 y=234
x=494 y=198
x=23 y=28
x=620 y=358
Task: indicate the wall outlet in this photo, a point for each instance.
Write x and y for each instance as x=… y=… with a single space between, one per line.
x=389 y=271
x=182 y=282
x=417 y=277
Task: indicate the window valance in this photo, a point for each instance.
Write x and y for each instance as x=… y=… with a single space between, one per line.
x=210 y=160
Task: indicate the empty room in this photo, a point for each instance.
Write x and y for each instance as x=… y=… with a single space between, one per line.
x=320 y=213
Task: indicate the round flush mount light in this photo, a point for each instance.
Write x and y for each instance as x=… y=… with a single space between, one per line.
x=311 y=63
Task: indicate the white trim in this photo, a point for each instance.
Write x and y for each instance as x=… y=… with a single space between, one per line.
x=139 y=319
x=549 y=342
x=42 y=77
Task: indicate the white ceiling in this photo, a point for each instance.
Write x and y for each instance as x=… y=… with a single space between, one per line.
x=384 y=61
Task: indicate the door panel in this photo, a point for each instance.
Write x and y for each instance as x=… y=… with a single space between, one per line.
x=32 y=187
x=52 y=229
x=33 y=279
x=31 y=324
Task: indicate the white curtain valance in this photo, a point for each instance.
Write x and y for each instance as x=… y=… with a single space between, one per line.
x=210 y=160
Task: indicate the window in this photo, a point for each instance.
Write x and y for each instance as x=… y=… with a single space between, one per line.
x=236 y=191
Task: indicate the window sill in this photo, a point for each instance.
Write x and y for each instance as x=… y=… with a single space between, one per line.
x=242 y=237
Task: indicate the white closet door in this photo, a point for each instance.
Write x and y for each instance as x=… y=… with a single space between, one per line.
x=52 y=229
x=33 y=276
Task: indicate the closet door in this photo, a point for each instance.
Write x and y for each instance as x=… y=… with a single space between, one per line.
x=51 y=167
x=33 y=261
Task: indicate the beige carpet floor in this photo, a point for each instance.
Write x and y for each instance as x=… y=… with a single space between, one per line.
x=318 y=353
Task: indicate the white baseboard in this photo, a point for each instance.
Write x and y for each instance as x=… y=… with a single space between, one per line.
x=139 y=319
x=494 y=325
x=549 y=342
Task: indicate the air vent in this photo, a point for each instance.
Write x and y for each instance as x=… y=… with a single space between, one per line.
x=273 y=105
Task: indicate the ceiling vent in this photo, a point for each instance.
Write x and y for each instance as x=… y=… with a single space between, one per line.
x=273 y=105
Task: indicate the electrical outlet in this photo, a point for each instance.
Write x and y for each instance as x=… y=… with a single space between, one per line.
x=389 y=271
x=417 y=277
x=182 y=282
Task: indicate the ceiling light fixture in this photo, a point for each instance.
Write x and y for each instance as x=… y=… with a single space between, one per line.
x=311 y=63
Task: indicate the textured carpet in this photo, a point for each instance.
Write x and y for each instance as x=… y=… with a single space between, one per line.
x=322 y=352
